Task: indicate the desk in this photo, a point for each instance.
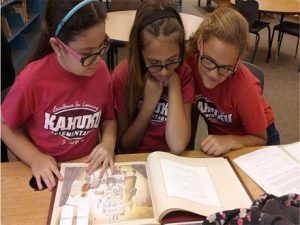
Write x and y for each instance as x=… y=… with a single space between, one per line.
x=119 y=23
x=277 y=6
x=23 y=206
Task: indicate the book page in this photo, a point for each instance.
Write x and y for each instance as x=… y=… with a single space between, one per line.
x=194 y=180
x=227 y=192
x=272 y=169
x=119 y=198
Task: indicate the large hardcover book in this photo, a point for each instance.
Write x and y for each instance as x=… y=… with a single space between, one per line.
x=167 y=188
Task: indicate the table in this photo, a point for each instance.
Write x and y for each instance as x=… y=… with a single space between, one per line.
x=119 y=23
x=277 y=6
x=23 y=206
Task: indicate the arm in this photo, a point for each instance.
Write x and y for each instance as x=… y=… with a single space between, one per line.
x=43 y=166
x=178 y=126
x=131 y=134
x=219 y=144
x=103 y=153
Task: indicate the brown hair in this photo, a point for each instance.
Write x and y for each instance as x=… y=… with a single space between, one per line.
x=155 y=17
x=86 y=17
x=225 y=24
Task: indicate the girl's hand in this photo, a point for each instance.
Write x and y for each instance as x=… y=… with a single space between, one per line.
x=216 y=144
x=173 y=80
x=100 y=156
x=45 y=167
x=152 y=92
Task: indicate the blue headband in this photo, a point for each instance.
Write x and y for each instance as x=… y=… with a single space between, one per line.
x=71 y=13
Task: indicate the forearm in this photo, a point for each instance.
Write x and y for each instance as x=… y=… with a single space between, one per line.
x=19 y=144
x=178 y=124
x=238 y=142
x=136 y=130
x=108 y=135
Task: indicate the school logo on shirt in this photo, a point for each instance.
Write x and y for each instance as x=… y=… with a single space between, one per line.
x=209 y=110
x=161 y=111
x=74 y=121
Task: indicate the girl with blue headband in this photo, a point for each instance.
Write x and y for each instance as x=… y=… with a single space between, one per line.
x=64 y=96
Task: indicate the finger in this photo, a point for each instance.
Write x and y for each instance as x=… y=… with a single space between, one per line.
x=51 y=179
x=103 y=169
x=47 y=182
x=39 y=182
x=204 y=143
x=91 y=156
x=94 y=164
x=112 y=166
x=57 y=173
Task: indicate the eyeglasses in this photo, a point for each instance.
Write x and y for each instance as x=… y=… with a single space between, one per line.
x=210 y=64
x=168 y=66
x=88 y=60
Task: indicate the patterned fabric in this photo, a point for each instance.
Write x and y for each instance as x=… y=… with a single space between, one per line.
x=266 y=210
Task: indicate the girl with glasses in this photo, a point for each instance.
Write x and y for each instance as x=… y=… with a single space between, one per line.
x=64 y=95
x=153 y=89
x=228 y=96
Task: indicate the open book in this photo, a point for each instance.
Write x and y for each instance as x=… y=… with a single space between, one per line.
x=276 y=169
x=147 y=192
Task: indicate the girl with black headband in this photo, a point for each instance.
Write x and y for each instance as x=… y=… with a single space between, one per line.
x=153 y=89
x=64 y=95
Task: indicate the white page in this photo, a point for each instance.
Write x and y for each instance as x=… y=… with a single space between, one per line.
x=293 y=150
x=272 y=169
x=189 y=182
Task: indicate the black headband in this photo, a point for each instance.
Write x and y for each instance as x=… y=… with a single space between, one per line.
x=156 y=15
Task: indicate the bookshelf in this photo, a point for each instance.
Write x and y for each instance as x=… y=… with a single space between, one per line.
x=24 y=26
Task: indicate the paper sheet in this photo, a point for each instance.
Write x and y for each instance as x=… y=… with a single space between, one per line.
x=272 y=169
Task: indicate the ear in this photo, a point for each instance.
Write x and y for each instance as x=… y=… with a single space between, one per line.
x=55 y=46
x=199 y=43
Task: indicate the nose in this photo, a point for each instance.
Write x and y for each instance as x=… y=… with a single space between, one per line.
x=214 y=74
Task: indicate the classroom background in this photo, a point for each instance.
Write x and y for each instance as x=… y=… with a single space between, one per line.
x=281 y=79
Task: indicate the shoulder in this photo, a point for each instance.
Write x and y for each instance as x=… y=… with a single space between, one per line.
x=120 y=72
x=184 y=70
x=35 y=71
x=191 y=60
x=243 y=82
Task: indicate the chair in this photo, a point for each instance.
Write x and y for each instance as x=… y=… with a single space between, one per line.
x=256 y=71
x=118 y=5
x=285 y=27
x=249 y=9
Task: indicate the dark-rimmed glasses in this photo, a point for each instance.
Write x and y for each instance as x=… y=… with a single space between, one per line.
x=210 y=64
x=168 y=66
x=88 y=60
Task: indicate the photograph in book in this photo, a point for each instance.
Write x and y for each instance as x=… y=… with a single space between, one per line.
x=164 y=189
x=123 y=196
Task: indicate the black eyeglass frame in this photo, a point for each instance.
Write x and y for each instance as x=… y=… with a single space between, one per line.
x=161 y=66
x=203 y=56
x=103 y=50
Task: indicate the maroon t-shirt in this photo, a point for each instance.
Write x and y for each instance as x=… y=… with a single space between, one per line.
x=62 y=111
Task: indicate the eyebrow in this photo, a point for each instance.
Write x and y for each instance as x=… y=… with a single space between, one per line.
x=88 y=50
x=173 y=56
x=217 y=63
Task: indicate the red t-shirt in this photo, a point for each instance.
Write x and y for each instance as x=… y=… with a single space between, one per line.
x=154 y=137
x=62 y=111
x=236 y=106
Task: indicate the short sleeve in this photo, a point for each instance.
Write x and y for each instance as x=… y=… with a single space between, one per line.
x=17 y=107
x=187 y=83
x=119 y=82
x=252 y=112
